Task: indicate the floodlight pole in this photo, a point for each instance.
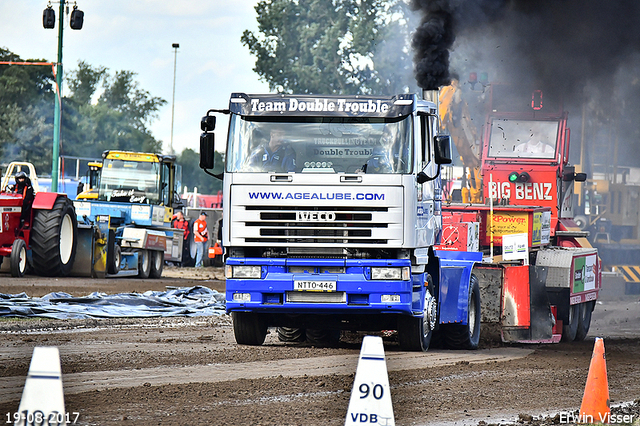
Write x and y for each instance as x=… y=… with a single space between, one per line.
x=58 y=107
x=173 y=101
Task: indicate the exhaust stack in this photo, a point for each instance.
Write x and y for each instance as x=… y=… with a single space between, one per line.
x=432 y=96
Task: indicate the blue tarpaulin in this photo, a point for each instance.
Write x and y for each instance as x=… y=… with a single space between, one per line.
x=187 y=302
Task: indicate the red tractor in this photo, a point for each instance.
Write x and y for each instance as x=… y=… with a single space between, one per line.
x=47 y=242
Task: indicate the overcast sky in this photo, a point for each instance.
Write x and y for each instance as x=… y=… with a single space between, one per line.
x=137 y=36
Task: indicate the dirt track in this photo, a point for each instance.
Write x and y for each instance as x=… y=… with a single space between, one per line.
x=190 y=371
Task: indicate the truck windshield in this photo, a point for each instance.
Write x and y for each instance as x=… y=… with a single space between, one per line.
x=523 y=138
x=326 y=144
x=129 y=181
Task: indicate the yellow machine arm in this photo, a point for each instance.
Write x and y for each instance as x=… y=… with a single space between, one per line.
x=455 y=118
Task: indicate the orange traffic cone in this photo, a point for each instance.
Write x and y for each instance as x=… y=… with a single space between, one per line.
x=595 y=402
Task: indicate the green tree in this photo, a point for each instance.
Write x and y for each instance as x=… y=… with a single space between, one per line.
x=339 y=46
x=193 y=176
x=100 y=112
x=25 y=120
x=119 y=119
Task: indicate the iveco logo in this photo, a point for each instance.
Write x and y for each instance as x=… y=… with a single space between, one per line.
x=316 y=216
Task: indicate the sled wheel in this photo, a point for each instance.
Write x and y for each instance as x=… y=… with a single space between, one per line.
x=584 y=321
x=144 y=263
x=570 y=329
x=157 y=263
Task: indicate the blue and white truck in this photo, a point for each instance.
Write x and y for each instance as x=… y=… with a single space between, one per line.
x=332 y=209
x=124 y=225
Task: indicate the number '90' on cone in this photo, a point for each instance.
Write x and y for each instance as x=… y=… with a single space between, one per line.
x=595 y=402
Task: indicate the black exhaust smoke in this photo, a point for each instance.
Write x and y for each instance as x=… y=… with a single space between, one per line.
x=434 y=37
x=561 y=43
x=431 y=43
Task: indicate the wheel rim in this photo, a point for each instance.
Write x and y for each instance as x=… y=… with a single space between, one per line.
x=429 y=317
x=157 y=260
x=66 y=239
x=23 y=260
x=472 y=316
x=145 y=262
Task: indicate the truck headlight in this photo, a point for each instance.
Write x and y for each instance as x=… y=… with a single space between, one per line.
x=388 y=298
x=385 y=273
x=243 y=271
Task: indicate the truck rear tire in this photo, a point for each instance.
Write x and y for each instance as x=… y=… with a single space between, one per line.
x=157 y=263
x=53 y=239
x=248 y=328
x=291 y=334
x=570 y=329
x=467 y=336
x=18 y=261
x=584 y=322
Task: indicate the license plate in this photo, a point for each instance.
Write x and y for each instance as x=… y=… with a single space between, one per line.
x=314 y=285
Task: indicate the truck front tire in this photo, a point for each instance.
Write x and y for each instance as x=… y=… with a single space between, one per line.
x=248 y=328
x=414 y=333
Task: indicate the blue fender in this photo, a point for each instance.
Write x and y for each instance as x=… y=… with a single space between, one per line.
x=453 y=288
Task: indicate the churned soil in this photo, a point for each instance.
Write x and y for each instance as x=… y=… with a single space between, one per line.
x=190 y=371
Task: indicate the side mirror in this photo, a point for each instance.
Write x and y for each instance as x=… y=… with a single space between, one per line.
x=208 y=123
x=443 y=149
x=580 y=177
x=207 y=150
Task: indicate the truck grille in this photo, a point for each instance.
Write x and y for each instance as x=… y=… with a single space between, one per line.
x=325 y=225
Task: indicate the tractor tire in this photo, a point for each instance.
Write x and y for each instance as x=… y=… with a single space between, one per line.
x=54 y=239
x=291 y=334
x=570 y=329
x=467 y=336
x=144 y=264
x=248 y=328
x=157 y=263
x=584 y=320
x=322 y=337
x=18 y=258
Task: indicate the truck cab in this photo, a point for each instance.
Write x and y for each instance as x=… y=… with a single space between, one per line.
x=136 y=195
x=525 y=157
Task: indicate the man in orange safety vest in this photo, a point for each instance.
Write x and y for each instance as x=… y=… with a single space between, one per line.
x=200 y=236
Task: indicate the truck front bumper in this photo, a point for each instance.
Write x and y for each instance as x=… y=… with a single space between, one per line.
x=320 y=286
